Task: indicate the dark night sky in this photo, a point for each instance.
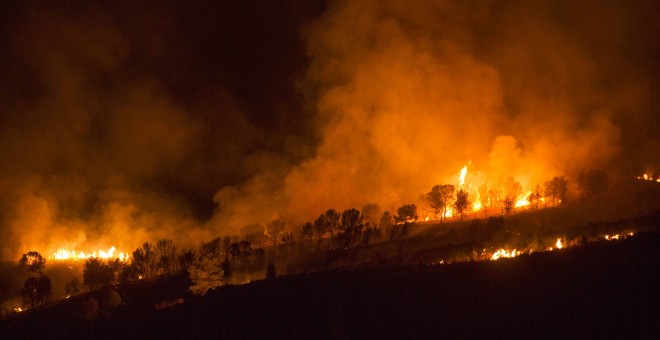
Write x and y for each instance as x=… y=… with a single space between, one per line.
x=244 y=57
x=166 y=116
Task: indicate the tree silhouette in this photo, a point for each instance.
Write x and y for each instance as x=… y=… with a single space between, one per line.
x=406 y=213
x=29 y=292
x=186 y=258
x=73 y=287
x=349 y=219
x=97 y=274
x=439 y=199
x=215 y=247
x=165 y=255
x=44 y=289
x=332 y=223
x=138 y=264
x=371 y=213
x=33 y=263
x=386 y=222
x=350 y=227
x=274 y=229
x=144 y=260
x=462 y=204
x=307 y=231
x=205 y=273
x=320 y=226
x=37 y=287
x=557 y=189
x=36 y=290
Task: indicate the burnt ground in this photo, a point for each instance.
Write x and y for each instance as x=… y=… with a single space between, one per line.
x=609 y=289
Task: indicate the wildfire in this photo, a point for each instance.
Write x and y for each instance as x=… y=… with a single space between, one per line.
x=461 y=177
x=477 y=203
x=500 y=253
x=647 y=177
x=618 y=236
x=558 y=244
x=522 y=200
x=112 y=253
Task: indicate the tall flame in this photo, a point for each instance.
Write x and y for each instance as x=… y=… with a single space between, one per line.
x=461 y=177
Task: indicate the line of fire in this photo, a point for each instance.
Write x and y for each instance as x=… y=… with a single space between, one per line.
x=446 y=212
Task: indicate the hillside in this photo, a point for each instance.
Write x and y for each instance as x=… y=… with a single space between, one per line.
x=599 y=289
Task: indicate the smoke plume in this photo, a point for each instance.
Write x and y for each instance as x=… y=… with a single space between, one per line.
x=406 y=93
x=124 y=124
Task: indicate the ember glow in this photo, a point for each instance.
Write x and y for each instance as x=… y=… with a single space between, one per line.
x=650 y=178
x=500 y=253
x=110 y=254
x=559 y=244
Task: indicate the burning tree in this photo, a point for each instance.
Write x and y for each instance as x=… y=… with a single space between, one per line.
x=462 y=204
x=535 y=197
x=509 y=204
x=512 y=190
x=439 y=199
x=33 y=262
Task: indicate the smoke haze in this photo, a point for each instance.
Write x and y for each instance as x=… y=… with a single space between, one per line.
x=123 y=124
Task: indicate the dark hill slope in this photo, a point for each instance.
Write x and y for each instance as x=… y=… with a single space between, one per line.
x=603 y=289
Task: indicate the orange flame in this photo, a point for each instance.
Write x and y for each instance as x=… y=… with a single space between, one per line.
x=461 y=177
x=112 y=253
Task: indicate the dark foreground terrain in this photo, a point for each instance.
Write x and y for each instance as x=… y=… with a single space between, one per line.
x=609 y=289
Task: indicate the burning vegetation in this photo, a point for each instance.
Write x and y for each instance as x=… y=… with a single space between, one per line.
x=125 y=164
x=110 y=254
x=501 y=224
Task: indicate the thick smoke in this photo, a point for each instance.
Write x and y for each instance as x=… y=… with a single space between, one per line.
x=122 y=124
x=95 y=150
x=408 y=92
